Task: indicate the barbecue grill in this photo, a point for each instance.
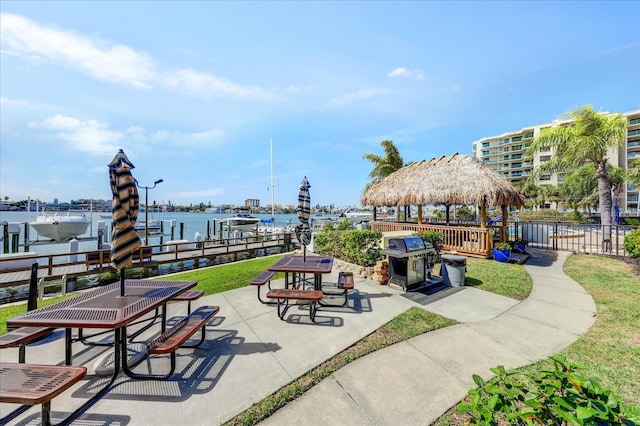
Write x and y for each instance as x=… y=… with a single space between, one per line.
x=408 y=258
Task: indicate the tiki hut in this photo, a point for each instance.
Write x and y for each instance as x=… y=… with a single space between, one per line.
x=458 y=179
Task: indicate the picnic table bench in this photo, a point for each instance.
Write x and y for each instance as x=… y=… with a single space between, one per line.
x=284 y=294
x=31 y=384
x=261 y=279
x=21 y=337
x=176 y=337
x=189 y=296
x=344 y=284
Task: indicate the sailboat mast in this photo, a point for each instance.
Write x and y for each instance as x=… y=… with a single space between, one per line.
x=273 y=202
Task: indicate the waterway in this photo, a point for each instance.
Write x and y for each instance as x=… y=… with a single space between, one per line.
x=186 y=226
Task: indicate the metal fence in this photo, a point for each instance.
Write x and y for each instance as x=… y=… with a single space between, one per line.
x=592 y=239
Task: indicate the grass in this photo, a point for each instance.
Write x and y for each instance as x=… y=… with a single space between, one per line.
x=506 y=279
x=212 y=280
x=610 y=350
x=228 y=276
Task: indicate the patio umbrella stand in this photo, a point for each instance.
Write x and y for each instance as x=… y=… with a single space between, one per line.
x=303 y=230
x=125 y=240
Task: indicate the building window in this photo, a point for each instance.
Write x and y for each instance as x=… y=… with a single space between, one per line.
x=545 y=177
x=545 y=158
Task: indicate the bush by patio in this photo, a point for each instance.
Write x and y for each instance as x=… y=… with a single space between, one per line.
x=360 y=247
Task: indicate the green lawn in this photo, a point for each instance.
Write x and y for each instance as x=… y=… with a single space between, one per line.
x=610 y=350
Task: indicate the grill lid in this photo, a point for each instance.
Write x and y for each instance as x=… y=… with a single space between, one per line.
x=406 y=244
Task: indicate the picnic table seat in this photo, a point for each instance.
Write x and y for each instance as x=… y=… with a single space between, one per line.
x=31 y=384
x=176 y=337
x=344 y=284
x=261 y=279
x=285 y=295
x=21 y=337
x=189 y=296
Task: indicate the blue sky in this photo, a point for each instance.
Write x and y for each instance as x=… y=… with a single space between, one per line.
x=194 y=91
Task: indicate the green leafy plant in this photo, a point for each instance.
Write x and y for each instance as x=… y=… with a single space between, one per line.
x=521 y=241
x=503 y=246
x=558 y=396
x=632 y=243
x=435 y=238
x=361 y=247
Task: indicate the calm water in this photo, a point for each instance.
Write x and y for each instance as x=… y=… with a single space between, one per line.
x=191 y=223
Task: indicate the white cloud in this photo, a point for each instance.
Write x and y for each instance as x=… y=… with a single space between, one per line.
x=89 y=136
x=403 y=72
x=114 y=63
x=205 y=84
x=207 y=137
x=350 y=98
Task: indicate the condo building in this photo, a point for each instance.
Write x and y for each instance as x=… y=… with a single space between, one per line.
x=506 y=154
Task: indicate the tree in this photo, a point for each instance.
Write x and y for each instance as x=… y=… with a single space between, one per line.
x=386 y=164
x=585 y=139
x=580 y=187
x=634 y=172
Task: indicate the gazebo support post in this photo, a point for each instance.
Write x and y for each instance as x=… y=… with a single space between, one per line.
x=420 y=215
x=446 y=206
x=503 y=228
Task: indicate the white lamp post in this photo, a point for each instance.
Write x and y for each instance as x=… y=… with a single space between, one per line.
x=146 y=209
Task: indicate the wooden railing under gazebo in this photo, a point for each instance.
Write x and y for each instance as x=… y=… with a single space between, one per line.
x=469 y=240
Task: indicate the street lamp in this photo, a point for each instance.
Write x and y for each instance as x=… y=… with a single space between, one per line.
x=146 y=209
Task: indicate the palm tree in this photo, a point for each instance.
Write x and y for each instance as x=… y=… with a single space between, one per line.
x=580 y=187
x=586 y=139
x=634 y=172
x=383 y=165
x=386 y=164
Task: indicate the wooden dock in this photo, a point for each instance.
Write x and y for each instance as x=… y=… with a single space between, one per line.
x=53 y=267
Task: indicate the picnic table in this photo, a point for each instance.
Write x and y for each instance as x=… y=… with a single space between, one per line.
x=299 y=266
x=105 y=308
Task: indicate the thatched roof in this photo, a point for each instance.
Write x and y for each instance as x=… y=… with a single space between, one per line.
x=458 y=179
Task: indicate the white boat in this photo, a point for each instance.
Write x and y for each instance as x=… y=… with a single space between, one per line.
x=242 y=221
x=61 y=226
x=20 y=260
x=155 y=227
x=357 y=216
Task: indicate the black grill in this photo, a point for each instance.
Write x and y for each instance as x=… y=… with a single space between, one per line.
x=408 y=257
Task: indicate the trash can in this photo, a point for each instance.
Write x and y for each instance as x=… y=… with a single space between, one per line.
x=452 y=269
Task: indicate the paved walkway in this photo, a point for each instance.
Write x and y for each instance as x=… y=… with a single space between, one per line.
x=250 y=353
x=415 y=382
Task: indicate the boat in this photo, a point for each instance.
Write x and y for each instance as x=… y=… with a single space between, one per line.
x=155 y=227
x=61 y=225
x=357 y=216
x=20 y=260
x=242 y=221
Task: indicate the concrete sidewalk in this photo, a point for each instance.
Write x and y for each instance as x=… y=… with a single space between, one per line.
x=414 y=382
x=250 y=353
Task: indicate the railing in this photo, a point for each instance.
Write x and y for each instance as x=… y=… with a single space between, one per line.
x=97 y=261
x=476 y=241
x=471 y=240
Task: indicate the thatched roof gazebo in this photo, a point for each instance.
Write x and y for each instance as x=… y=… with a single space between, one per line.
x=458 y=179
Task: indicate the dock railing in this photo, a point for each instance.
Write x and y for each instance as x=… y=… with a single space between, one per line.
x=16 y=268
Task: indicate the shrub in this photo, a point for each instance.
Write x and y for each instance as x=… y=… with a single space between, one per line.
x=560 y=396
x=361 y=247
x=632 y=243
x=435 y=238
